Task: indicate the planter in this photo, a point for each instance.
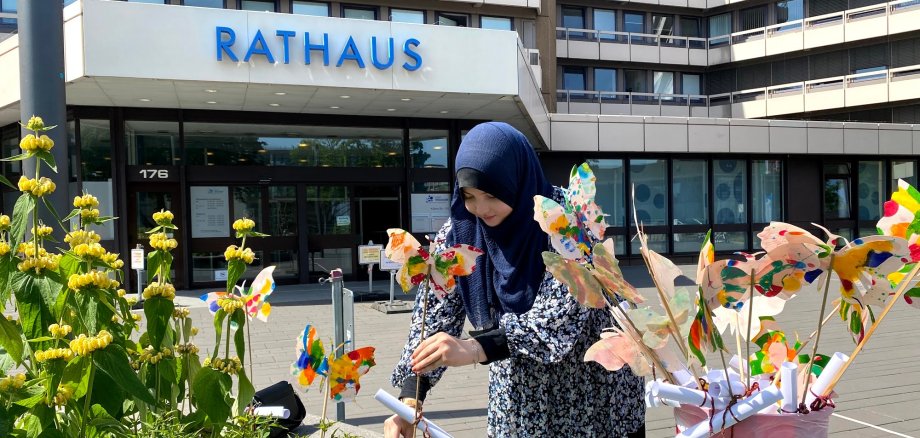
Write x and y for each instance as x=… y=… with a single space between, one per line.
x=812 y=425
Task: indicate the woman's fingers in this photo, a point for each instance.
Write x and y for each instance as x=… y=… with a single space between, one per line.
x=428 y=362
x=396 y=427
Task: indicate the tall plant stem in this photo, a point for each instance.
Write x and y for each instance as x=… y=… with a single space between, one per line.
x=227 y=340
x=88 y=396
x=249 y=345
x=418 y=377
x=894 y=299
x=750 y=322
x=814 y=350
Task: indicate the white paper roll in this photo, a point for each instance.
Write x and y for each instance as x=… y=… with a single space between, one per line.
x=827 y=375
x=737 y=363
x=656 y=402
x=407 y=413
x=272 y=411
x=680 y=394
x=741 y=411
x=684 y=378
x=726 y=389
x=790 y=386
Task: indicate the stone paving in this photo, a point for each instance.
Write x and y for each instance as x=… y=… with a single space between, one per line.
x=881 y=388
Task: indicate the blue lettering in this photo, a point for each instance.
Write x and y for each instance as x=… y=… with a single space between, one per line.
x=350 y=52
x=253 y=50
x=375 y=61
x=285 y=34
x=308 y=48
x=224 y=45
x=412 y=54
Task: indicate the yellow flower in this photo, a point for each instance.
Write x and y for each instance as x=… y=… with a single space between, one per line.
x=35 y=124
x=194 y=331
x=230 y=366
x=188 y=348
x=86 y=201
x=4 y=248
x=180 y=312
x=12 y=382
x=46 y=262
x=136 y=317
x=153 y=356
x=121 y=293
x=42 y=231
x=84 y=345
x=54 y=353
x=234 y=253
x=77 y=237
x=162 y=242
x=93 y=251
x=4 y=222
x=89 y=214
x=59 y=331
x=244 y=225
x=64 y=394
x=94 y=278
x=163 y=217
x=157 y=289
x=37 y=187
x=230 y=304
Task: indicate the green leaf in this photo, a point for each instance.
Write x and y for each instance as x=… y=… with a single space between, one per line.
x=7 y=267
x=77 y=372
x=54 y=213
x=47 y=158
x=6 y=422
x=21 y=211
x=6 y=362
x=212 y=393
x=73 y=213
x=35 y=298
x=108 y=394
x=19 y=157
x=154 y=258
x=239 y=339
x=218 y=330
x=158 y=311
x=104 y=424
x=11 y=339
x=8 y=183
x=235 y=270
x=245 y=391
x=113 y=361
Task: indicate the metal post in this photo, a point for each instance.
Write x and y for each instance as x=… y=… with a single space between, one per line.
x=41 y=87
x=339 y=328
x=392 y=286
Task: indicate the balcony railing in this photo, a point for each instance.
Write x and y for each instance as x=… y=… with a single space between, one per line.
x=873 y=21
x=865 y=88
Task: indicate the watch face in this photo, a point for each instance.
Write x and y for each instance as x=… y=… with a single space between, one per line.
x=728 y=166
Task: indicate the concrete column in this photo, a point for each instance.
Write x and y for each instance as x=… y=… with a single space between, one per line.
x=41 y=70
x=546 y=44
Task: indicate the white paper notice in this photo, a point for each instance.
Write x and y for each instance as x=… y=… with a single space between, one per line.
x=429 y=211
x=210 y=211
x=407 y=413
x=740 y=411
x=830 y=371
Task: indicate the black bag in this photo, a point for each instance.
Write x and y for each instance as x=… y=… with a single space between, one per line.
x=282 y=394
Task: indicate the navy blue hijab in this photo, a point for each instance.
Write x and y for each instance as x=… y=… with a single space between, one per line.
x=508 y=276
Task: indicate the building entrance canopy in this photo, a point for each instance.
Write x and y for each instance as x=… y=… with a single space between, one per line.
x=160 y=56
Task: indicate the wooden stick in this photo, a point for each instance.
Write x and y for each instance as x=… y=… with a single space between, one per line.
x=814 y=350
x=901 y=289
x=620 y=316
x=750 y=323
x=418 y=377
x=675 y=332
x=328 y=390
x=738 y=345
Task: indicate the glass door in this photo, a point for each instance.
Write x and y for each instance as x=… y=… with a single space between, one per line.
x=148 y=199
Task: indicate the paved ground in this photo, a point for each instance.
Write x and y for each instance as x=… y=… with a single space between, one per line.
x=881 y=388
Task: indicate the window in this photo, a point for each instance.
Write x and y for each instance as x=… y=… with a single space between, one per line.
x=458 y=20
x=311 y=8
x=689 y=27
x=573 y=78
x=664 y=82
x=407 y=16
x=497 y=23
x=869 y=58
x=257 y=5
x=529 y=34
x=359 y=12
x=282 y=206
x=573 y=18
x=662 y=24
x=720 y=25
x=789 y=10
x=428 y=148
x=611 y=194
x=605 y=20
x=8 y=7
x=690 y=198
x=870 y=190
x=204 y=3
x=903 y=169
x=651 y=198
x=752 y=18
x=605 y=79
x=767 y=191
x=328 y=210
x=636 y=81
x=152 y=143
x=690 y=84
x=634 y=22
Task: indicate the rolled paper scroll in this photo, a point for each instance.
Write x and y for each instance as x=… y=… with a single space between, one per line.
x=680 y=394
x=684 y=378
x=272 y=411
x=827 y=375
x=737 y=363
x=656 y=402
x=718 y=387
x=408 y=413
x=790 y=386
x=739 y=412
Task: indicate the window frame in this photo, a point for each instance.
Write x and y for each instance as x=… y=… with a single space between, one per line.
x=328 y=8
x=510 y=22
x=390 y=15
x=345 y=6
x=439 y=14
x=240 y=5
x=223 y=5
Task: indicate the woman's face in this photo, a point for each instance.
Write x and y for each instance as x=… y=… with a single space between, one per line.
x=486 y=207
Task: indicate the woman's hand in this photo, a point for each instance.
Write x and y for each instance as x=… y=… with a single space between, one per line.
x=444 y=350
x=396 y=427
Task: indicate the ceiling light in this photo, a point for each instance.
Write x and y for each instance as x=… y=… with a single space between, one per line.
x=210 y=154
x=345 y=97
x=302 y=160
x=274 y=104
x=443 y=111
x=144 y=99
x=210 y=90
x=437 y=148
x=211 y=102
x=333 y=107
x=325 y=165
x=241 y=159
x=392 y=154
x=391 y=109
x=280 y=93
x=303 y=144
x=405 y=99
x=263 y=151
x=210 y=164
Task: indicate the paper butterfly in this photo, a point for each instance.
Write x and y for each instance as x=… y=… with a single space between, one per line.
x=774 y=349
x=589 y=283
x=344 y=372
x=418 y=263
x=614 y=350
x=577 y=223
x=900 y=220
x=737 y=320
x=256 y=305
x=655 y=327
x=702 y=335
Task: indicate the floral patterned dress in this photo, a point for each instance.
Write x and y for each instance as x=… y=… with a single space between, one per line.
x=544 y=388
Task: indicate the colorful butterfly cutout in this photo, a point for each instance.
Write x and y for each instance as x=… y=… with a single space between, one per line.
x=737 y=320
x=256 y=304
x=901 y=220
x=774 y=349
x=593 y=285
x=616 y=349
x=655 y=327
x=577 y=223
x=418 y=263
x=311 y=358
x=702 y=335
x=344 y=372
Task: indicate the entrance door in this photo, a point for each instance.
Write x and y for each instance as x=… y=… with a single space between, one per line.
x=143 y=201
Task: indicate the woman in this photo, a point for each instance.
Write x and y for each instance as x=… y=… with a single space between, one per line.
x=531 y=331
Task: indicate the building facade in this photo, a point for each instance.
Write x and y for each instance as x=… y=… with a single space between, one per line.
x=329 y=122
